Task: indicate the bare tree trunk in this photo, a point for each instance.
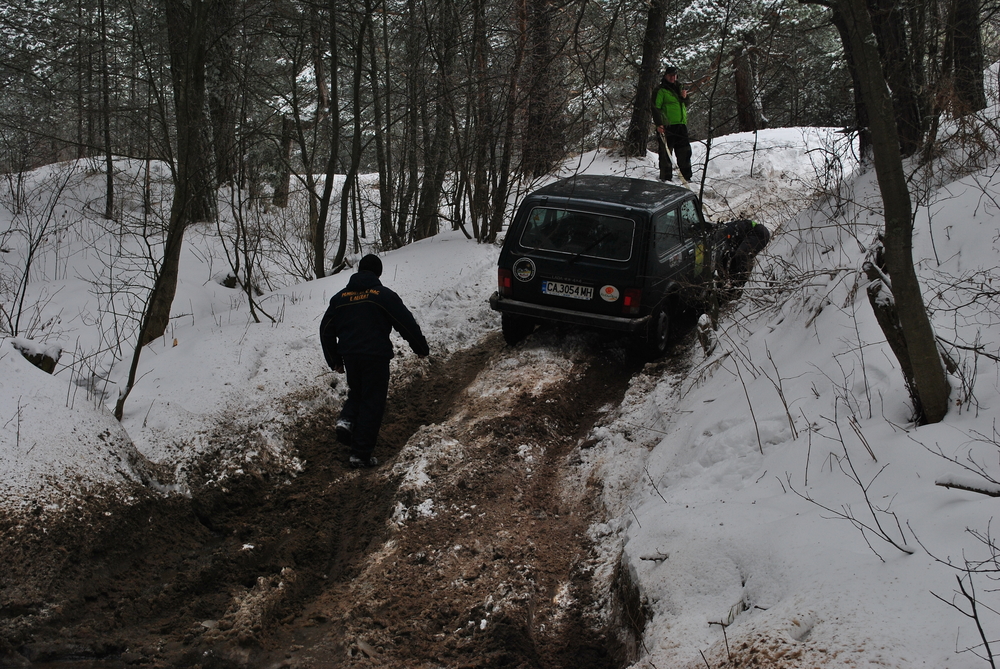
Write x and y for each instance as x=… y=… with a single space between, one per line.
x=860 y=110
x=352 y=170
x=964 y=54
x=924 y=49
x=283 y=187
x=884 y=307
x=186 y=27
x=501 y=190
x=542 y=142
x=319 y=235
x=890 y=29
x=409 y=178
x=929 y=377
x=749 y=109
x=307 y=153
x=317 y=212
x=81 y=68
x=483 y=127
x=383 y=145
x=222 y=95
x=649 y=71
x=436 y=155
x=109 y=194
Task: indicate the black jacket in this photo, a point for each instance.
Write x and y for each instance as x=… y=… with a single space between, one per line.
x=744 y=235
x=360 y=318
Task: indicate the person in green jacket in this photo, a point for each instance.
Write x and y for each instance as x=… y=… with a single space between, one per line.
x=670 y=116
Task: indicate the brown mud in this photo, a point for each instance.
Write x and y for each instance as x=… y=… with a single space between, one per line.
x=466 y=547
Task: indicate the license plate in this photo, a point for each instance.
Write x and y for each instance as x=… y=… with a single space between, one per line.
x=567 y=290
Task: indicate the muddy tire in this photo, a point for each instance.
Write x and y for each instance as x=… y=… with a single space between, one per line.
x=515 y=328
x=655 y=340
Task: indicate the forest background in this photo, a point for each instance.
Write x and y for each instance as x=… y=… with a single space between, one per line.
x=456 y=107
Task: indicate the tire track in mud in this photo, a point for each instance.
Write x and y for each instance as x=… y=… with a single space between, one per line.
x=468 y=547
x=486 y=560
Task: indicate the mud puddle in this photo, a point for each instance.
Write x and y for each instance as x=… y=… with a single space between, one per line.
x=468 y=547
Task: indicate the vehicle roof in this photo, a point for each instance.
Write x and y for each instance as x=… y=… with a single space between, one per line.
x=625 y=191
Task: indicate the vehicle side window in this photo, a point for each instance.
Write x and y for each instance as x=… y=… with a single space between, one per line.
x=666 y=234
x=690 y=221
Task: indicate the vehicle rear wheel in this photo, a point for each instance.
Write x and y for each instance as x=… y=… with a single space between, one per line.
x=515 y=328
x=657 y=336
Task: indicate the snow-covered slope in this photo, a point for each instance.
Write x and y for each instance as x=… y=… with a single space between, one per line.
x=731 y=487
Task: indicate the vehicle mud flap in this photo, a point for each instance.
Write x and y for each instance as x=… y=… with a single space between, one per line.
x=515 y=328
x=656 y=338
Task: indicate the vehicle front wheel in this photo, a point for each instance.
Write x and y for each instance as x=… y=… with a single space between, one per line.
x=657 y=336
x=515 y=328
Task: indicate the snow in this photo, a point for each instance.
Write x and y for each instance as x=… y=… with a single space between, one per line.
x=775 y=499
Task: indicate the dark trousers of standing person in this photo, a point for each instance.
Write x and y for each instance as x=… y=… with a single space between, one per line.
x=666 y=169
x=752 y=244
x=367 y=389
x=680 y=145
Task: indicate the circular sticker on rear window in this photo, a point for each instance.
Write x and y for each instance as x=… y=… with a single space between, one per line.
x=609 y=293
x=524 y=269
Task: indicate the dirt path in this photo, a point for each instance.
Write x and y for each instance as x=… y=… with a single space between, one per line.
x=468 y=547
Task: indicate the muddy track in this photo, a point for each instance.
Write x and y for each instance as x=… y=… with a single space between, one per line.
x=466 y=548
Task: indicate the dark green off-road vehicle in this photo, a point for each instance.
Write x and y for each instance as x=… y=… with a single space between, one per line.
x=611 y=253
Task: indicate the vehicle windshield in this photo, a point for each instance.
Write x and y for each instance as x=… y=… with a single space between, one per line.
x=579 y=233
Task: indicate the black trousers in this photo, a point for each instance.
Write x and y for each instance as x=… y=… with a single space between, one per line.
x=680 y=145
x=743 y=255
x=367 y=389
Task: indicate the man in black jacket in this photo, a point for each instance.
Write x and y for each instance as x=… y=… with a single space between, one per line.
x=354 y=334
x=741 y=241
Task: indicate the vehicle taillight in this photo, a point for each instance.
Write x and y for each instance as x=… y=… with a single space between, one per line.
x=505 y=282
x=631 y=301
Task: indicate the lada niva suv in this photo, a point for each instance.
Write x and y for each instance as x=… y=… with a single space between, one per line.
x=605 y=252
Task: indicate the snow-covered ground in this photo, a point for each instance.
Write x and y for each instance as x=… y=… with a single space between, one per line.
x=749 y=495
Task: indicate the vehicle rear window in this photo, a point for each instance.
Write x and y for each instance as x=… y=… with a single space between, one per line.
x=578 y=233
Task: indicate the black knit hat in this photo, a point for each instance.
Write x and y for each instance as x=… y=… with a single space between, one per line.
x=670 y=69
x=371 y=263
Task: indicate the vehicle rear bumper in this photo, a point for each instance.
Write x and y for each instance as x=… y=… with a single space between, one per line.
x=541 y=312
